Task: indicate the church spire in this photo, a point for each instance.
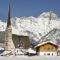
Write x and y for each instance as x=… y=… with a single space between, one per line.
x=8 y=20
x=9 y=44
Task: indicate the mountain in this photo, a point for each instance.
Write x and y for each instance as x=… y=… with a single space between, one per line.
x=53 y=35
x=34 y=27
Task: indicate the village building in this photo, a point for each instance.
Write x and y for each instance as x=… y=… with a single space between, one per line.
x=49 y=44
x=47 y=48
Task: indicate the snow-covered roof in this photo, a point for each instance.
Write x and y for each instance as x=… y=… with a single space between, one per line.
x=30 y=50
x=1 y=48
x=17 y=32
x=45 y=43
x=5 y=52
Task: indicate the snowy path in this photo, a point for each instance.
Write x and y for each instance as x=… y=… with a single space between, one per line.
x=31 y=58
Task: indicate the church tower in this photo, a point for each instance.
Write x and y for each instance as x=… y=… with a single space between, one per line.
x=9 y=45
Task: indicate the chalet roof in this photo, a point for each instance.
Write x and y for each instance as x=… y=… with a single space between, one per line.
x=45 y=43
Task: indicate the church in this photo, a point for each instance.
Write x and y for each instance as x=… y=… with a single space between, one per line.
x=47 y=48
x=13 y=43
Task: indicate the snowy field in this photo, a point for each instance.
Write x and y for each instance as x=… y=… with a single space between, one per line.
x=31 y=58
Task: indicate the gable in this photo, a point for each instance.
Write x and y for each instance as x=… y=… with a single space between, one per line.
x=48 y=47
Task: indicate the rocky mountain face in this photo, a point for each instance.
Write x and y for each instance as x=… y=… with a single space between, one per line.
x=34 y=27
x=53 y=35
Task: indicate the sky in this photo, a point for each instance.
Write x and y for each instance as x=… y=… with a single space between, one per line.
x=28 y=7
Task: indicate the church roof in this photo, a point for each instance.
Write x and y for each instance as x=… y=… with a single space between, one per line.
x=8 y=20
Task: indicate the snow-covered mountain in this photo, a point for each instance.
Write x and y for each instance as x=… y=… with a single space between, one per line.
x=53 y=35
x=35 y=27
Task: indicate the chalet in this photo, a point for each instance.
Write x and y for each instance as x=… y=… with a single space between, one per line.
x=49 y=44
x=47 y=48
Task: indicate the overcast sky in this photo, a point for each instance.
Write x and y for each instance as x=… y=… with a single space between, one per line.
x=28 y=7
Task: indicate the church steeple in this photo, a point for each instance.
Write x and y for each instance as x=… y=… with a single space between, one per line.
x=8 y=20
x=9 y=45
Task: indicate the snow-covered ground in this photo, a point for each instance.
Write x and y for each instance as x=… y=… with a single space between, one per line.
x=31 y=58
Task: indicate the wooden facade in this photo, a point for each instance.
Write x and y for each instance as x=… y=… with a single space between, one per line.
x=47 y=47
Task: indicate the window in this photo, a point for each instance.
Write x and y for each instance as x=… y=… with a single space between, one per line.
x=52 y=53
x=48 y=53
x=44 y=54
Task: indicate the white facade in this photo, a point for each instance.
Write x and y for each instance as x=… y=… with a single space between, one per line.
x=19 y=51
x=47 y=53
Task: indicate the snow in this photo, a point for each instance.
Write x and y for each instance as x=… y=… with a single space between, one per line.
x=59 y=47
x=53 y=35
x=47 y=14
x=30 y=50
x=45 y=43
x=2 y=26
x=35 y=27
x=5 y=52
x=19 y=52
x=1 y=48
x=31 y=58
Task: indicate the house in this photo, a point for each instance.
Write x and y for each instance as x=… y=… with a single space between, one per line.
x=49 y=44
x=47 y=48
